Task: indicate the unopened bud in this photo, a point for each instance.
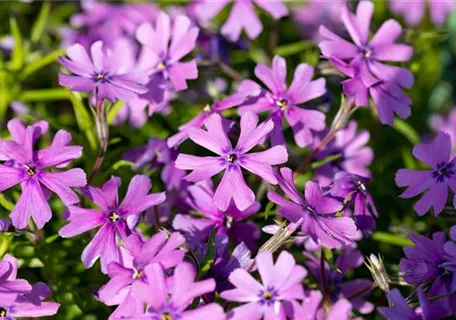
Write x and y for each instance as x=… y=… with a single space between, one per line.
x=281 y=235
x=378 y=271
x=4 y=225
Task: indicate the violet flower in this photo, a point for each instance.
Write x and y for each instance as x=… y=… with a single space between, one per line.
x=312 y=308
x=10 y=287
x=439 y=123
x=171 y=299
x=280 y=286
x=351 y=189
x=427 y=262
x=167 y=44
x=353 y=154
x=115 y=219
x=401 y=310
x=413 y=11
x=283 y=102
x=228 y=222
x=242 y=15
x=104 y=73
x=28 y=167
x=319 y=212
x=129 y=277
x=363 y=62
x=436 y=181
x=348 y=259
x=232 y=186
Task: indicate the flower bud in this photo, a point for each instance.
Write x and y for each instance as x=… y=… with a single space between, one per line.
x=379 y=274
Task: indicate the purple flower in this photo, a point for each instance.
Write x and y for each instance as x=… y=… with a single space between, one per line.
x=363 y=60
x=198 y=121
x=104 y=73
x=228 y=222
x=10 y=287
x=5 y=225
x=436 y=154
x=427 y=262
x=170 y=299
x=315 y=13
x=116 y=220
x=413 y=11
x=354 y=155
x=348 y=259
x=29 y=168
x=30 y=305
x=400 y=309
x=280 y=286
x=242 y=15
x=232 y=185
x=319 y=212
x=351 y=188
x=167 y=44
x=129 y=277
x=312 y=309
x=283 y=102
x=439 y=123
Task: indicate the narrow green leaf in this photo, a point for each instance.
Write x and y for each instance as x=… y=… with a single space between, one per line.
x=122 y=163
x=5 y=203
x=40 y=22
x=83 y=118
x=114 y=110
x=17 y=56
x=209 y=258
x=392 y=239
x=41 y=62
x=324 y=161
x=44 y=95
x=293 y=48
x=406 y=130
x=4 y=94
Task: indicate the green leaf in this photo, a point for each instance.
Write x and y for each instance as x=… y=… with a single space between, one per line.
x=392 y=239
x=41 y=62
x=209 y=258
x=326 y=160
x=407 y=131
x=44 y=95
x=5 y=96
x=114 y=110
x=83 y=118
x=293 y=48
x=17 y=56
x=122 y=163
x=40 y=22
x=5 y=203
x=268 y=209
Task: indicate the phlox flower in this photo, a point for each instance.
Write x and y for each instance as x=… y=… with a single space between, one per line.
x=448 y=125
x=28 y=167
x=283 y=102
x=436 y=181
x=116 y=219
x=104 y=73
x=363 y=61
x=413 y=11
x=272 y=297
x=312 y=308
x=167 y=42
x=242 y=15
x=10 y=287
x=232 y=186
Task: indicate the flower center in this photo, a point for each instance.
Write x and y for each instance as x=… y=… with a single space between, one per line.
x=228 y=221
x=444 y=171
x=207 y=108
x=268 y=295
x=100 y=76
x=114 y=216
x=360 y=186
x=30 y=171
x=2 y=312
x=166 y=316
x=161 y=66
x=231 y=158
x=137 y=274
x=367 y=53
x=282 y=104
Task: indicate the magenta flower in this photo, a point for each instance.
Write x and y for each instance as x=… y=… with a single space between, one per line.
x=167 y=44
x=232 y=185
x=228 y=222
x=413 y=11
x=312 y=308
x=10 y=287
x=242 y=15
x=116 y=220
x=29 y=168
x=348 y=259
x=280 y=285
x=436 y=181
x=104 y=73
x=283 y=102
x=354 y=154
x=319 y=212
x=351 y=189
x=169 y=298
x=129 y=277
x=363 y=62
x=400 y=309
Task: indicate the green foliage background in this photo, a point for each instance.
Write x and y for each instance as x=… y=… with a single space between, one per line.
x=30 y=76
